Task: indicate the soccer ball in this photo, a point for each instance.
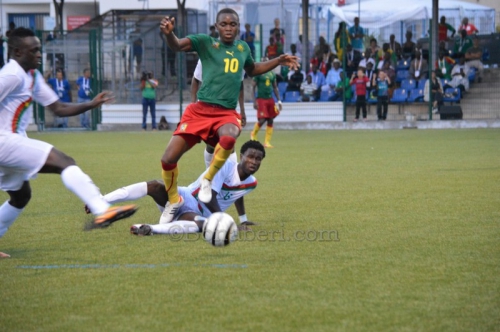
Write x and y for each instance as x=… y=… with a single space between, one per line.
x=220 y=229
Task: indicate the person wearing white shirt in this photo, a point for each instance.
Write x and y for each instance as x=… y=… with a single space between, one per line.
x=21 y=158
x=333 y=76
x=230 y=185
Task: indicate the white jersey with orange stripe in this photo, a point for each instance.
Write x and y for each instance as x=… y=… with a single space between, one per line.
x=227 y=184
x=18 y=89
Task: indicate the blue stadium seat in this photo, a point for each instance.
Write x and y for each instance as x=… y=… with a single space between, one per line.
x=452 y=95
x=399 y=96
x=291 y=96
x=421 y=84
x=402 y=75
x=416 y=95
x=325 y=95
x=444 y=82
x=408 y=84
x=371 y=97
x=403 y=64
x=472 y=74
x=282 y=88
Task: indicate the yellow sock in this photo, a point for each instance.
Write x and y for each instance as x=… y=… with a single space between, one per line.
x=170 y=180
x=220 y=157
x=269 y=135
x=253 y=135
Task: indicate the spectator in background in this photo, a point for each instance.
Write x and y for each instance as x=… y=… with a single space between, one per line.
x=337 y=40
x=333 y=76
x=443 y=29
x=370 y=72
x=294 y=51
x=248 y=37
x=353 y=58
x=2 y=61
x=395 y=48
x=391 y=74
x=148 y=87
x=468 y=27
x=295 y=80
x=213 y=33
x=381 y=84
x=418 y=67
x=321 y=48
x=356 y=32
x=273 y=50
x=462 y=44
x=168 y=55
x=84 y=86
x=444 y=65
x=62 y=87
x=360 y=81
x=459 y=76
x=324 y=65
x=277 y=32
x=136 y=51
x=300 y=47
x=12 y=26
x=375 y=50
x=343 y=88
x=308 y=90
x=367 y=58
x=409 y=46
x=317 y=78
x=386 y=59
x=473 y=56
x=436 y=91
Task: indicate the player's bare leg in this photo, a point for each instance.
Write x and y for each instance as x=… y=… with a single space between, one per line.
x=227 y=139
x=170 y=172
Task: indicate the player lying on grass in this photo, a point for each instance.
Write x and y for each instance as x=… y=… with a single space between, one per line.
x=21 y=158
x=213 y=118
x=231 y=183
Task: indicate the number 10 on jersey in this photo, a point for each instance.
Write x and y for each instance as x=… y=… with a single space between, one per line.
x=231 y=65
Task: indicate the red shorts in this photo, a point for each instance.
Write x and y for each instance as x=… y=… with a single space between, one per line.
x=202 y=120
x=266 y=109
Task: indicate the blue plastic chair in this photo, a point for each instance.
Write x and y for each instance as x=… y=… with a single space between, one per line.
x=402 y=75
x=452 y=95
x=416 y=95
x=326 y=95
x=408 y=84
x=421 y=84
x=399 y=96
x=403 y=64
x=472 y=74
x=282 y=88
x=291 y=96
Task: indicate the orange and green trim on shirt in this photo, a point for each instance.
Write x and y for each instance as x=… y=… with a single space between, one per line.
x=23 y=107
x=248 y=186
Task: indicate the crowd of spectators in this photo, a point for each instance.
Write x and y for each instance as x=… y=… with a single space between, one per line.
x=383 y=68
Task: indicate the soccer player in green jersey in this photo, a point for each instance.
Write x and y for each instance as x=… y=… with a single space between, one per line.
x=267 y=110
x=213 y=118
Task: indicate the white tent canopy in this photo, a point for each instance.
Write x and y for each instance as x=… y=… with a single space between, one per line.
x=377 y=14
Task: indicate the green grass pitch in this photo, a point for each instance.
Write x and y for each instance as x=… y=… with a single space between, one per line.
x=358 y=231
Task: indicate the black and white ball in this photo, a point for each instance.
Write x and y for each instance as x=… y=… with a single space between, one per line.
x=220 y=229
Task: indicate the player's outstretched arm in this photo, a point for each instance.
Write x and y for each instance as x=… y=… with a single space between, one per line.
x=167 y=26
x=69 y=109
x=263 y=67
x=239 y=204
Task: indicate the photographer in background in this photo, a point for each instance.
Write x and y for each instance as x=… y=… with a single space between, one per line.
x=148 y=87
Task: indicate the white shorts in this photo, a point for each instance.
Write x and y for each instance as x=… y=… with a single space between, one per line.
x=190 y=203
x=20 y=159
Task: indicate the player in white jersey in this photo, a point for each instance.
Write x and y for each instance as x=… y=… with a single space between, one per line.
x=230 y=185
x=21 y=157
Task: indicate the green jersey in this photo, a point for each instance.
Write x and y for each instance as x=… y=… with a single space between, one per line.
x=222 y=69
x=265 y=85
